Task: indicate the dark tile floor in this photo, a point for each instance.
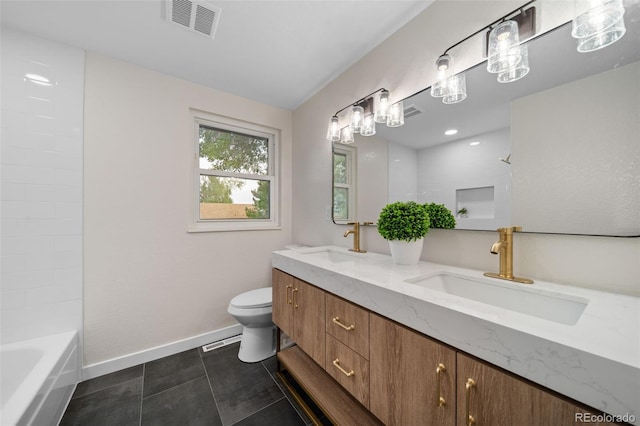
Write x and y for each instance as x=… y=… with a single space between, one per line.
x=188 y=388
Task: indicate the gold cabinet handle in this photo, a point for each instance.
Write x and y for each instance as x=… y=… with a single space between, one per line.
x=468 y=417
x=336 y=362
x=293 y=298
x=439 y=370
x=336 y=320
x=289 y=301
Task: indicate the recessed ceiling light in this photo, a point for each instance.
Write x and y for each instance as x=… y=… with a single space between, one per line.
x=451 y=132
x=474 y=143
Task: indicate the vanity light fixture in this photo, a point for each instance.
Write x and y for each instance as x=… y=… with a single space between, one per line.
x=357 y=118
x=365 y=113
x=504 y=47
x=451 y=88
x=601 y=25
x=505 y=57
x=381 y=113
x=333 y=132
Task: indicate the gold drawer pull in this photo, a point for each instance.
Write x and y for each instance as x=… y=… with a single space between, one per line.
x=336 y=362
x=293 y=298
x=289 y=301
x=439 y=370
x=336 y=320
x=469 y=419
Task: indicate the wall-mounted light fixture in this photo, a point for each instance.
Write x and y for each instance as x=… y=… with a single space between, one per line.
x=505 y=55
x=601 y=25
x=365 y=113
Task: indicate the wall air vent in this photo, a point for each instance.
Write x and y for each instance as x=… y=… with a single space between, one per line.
x=199 y=16
x=411 y=110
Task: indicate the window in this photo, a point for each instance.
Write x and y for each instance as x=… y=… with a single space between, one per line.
x=235 y=180
x=344 y=184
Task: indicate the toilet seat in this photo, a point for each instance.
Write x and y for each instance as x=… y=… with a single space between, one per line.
x=259 y=298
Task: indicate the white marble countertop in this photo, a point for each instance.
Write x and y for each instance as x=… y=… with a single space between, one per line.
x=595 y=361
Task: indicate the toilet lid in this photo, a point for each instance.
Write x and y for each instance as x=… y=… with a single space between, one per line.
x=259 y=298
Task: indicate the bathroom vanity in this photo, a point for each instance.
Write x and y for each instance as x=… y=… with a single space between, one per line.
x=434 y=344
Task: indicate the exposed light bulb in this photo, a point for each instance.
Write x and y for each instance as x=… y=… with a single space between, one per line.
x=357 y=117
x=333 y=132
x=382 y=108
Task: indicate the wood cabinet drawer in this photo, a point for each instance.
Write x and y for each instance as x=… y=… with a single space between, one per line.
x=349 y=369
x=348 y=323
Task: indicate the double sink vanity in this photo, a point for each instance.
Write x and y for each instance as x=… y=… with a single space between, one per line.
x=436 y=344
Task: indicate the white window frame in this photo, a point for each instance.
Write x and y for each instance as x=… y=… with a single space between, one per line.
x=351 y=185
x=233 y=125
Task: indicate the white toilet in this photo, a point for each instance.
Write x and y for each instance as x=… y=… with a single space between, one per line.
x=253 y=310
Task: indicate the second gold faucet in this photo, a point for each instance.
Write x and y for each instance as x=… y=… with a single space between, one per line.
x=356 y=235
x=504 y=247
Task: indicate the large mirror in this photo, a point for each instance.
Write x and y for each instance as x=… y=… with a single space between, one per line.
x=555 y=152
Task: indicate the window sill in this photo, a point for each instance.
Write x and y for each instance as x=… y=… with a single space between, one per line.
x=231 y=227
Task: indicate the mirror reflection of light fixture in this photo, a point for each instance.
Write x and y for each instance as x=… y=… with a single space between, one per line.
x=456 y=89
x=346 y=135
x=396 y=115
x=365 y=113
x=520 y=70
x=600 y=26
x=368 y=126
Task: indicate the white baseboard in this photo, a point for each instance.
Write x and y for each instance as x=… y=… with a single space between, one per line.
x=136 y=358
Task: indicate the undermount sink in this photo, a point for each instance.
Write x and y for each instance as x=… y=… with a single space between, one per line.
x=560 y=308
x=332 y=254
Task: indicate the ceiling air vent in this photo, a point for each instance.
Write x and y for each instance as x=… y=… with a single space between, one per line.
x=411 y=110
x=199 y=16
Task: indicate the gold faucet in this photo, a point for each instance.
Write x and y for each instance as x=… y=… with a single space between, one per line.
x=504 y=247
x=356 y=235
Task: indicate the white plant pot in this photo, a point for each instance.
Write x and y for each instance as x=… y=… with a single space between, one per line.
x=406 y=253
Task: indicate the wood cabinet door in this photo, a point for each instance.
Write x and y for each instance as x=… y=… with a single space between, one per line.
x=282 y=287
x=309 y=313
x=497 y=398
x=407 y=377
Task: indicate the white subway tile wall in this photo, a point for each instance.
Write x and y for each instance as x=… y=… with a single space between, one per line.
x=42 y=85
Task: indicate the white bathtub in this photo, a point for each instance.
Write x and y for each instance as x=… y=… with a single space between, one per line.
x=38 y=377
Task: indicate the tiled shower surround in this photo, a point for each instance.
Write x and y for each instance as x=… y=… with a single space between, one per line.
x=42 y=136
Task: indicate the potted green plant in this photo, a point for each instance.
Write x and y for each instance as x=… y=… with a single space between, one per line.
x=404 y=224
x=440 y=216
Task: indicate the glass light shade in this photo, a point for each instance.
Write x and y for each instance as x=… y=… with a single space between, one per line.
x=346 y=135
x=502 y=39
x=438 y=89
x=357 y=116
x=602 y=39
x=520 y=70
x=444 y=64
x=382 y=107
x=333 y=132
x=368 y=126
x=456 y=89
x=396 y=115
x=602 y=15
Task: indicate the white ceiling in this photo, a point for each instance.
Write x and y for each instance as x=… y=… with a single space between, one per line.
x=275 y=52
